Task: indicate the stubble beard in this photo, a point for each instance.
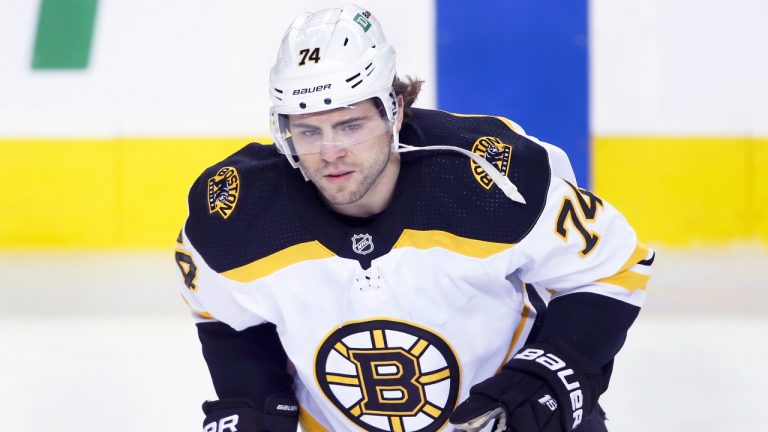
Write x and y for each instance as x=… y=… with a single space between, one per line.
x=351 y=194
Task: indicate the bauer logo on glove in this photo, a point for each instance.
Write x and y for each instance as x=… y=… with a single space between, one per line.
x=546 y=387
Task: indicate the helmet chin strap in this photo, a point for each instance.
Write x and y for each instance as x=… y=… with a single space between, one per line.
x=509 y=189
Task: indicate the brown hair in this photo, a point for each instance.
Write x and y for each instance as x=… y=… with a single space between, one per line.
x=409 y=90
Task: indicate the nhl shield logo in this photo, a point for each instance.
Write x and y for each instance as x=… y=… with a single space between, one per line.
x=362 y=244
x=494 y=151
x=223 y=190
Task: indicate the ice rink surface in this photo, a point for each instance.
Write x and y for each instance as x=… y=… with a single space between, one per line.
x=102 y=342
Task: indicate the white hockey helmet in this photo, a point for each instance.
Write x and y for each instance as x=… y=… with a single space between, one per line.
x=330 y=59
x=333 y=59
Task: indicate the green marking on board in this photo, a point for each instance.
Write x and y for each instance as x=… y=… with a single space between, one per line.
x=64 y=34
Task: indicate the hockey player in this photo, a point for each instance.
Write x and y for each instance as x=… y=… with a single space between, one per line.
x=386 y=268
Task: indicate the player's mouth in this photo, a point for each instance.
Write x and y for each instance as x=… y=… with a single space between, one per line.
x=339 y=176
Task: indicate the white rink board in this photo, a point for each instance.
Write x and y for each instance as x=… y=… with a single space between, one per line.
x=200 y=68
x=94 y=342
x=678 y=67
x=177 y=67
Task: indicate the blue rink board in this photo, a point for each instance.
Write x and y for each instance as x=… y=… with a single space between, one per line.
x=522 y=59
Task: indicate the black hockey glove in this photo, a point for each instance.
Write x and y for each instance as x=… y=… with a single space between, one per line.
x=546 y=387
x=280 y=414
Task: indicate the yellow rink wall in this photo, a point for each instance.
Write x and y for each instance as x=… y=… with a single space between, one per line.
x=100 y=193
x=684 y=191
x=131 y=193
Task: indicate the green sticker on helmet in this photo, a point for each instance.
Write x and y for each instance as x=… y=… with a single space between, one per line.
x=362 y=21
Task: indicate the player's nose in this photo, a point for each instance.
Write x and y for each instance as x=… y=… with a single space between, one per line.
x=332 y=152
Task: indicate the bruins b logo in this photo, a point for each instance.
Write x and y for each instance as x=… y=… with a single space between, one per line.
x=389 y=376
x=223 y=190
x=495 y=152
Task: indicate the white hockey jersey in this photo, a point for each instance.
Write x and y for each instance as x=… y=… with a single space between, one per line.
x=389 y=321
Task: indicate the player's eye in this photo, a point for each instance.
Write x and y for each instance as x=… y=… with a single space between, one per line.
x=351 y=127
x=308 y=133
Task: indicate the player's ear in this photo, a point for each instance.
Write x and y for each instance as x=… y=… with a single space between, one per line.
x=400 y=112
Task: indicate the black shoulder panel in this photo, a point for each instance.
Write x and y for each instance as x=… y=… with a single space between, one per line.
x=238 y=210
x=458 y=196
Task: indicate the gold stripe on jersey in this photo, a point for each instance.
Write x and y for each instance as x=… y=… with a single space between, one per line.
x=432 y=410
x=629 y=280
x=378 y=339
x=641 y=251
x=279 y=260
x=445 y=240
x=341 y=379
x=516 y=128
x=397 y=424
x=527 y=309
x=203 y=314
x=308 y=423
x=419 y=347
x=509 y=123
x=341 y=349
x=432 y=377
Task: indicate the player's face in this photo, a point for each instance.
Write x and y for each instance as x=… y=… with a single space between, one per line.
x=352 y=152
